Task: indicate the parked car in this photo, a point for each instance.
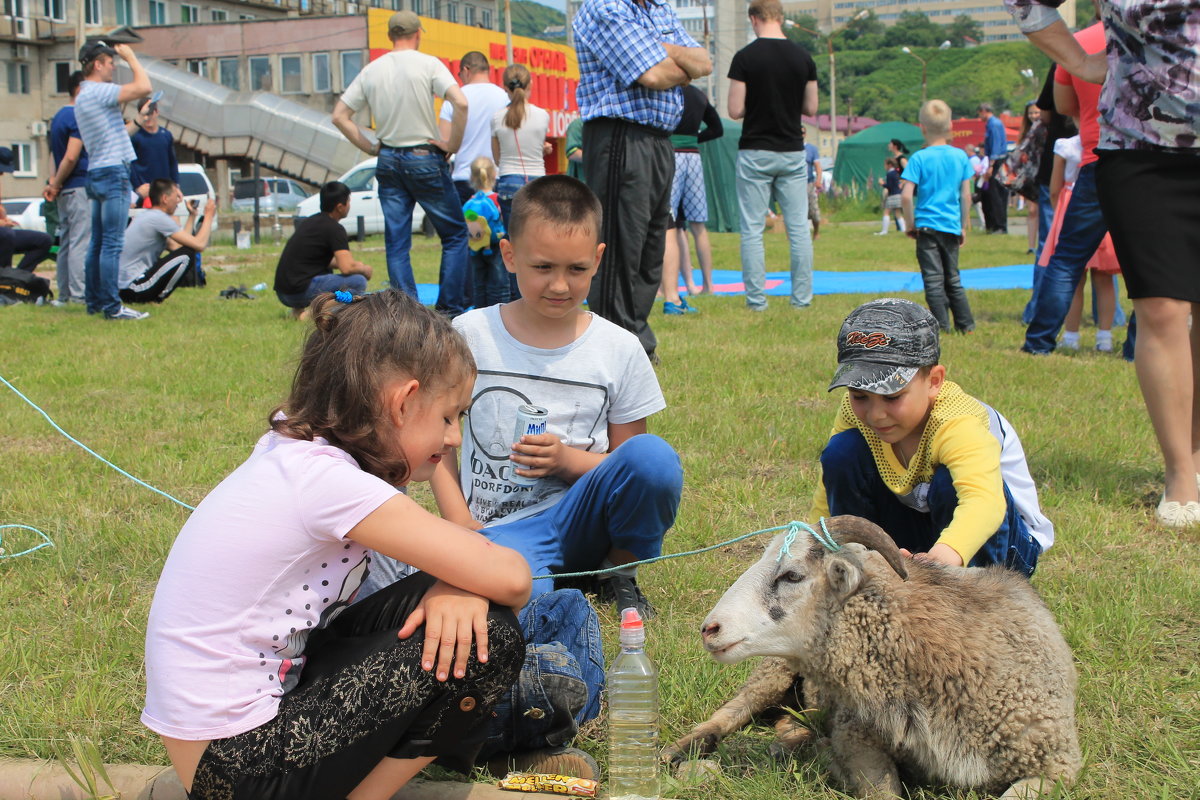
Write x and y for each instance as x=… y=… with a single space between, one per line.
x=364 y=202
x=196 y=188
x=26 y=212
x=274 y=194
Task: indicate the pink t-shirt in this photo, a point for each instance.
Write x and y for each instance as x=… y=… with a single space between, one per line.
x=1091 y=39
x=258 y=565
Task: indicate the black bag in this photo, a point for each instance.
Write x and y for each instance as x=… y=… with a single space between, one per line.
x=24 y=286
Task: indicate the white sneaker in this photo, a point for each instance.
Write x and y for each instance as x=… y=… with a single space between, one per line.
x=1177 y=515
x=126 y=312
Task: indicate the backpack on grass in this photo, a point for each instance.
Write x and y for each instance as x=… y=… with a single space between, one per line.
x=22 y=285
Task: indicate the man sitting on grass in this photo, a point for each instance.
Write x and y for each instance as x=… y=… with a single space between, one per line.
x=318 y=246
x=147 y=274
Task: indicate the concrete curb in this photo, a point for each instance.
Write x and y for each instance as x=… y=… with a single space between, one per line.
x=29 y=779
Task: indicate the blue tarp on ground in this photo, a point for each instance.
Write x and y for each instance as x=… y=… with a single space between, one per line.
x=878 y=283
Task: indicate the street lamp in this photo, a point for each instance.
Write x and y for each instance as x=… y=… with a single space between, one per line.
x=787 y=23
x=924 y=70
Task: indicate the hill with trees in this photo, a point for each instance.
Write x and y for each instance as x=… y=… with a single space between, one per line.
x=532 y=19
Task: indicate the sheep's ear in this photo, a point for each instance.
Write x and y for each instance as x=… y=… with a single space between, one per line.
x=845 y=576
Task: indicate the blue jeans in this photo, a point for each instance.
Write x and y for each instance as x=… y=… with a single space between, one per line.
x=108 y=189
x=35 y=246
x=853 y=486
x=408 y=176
x=490 y=277
x=354 y=284
x=626 y=502
x=1045 y=220
x=937 y=256
x=762 y=174
x=1083 y=229
x=506 y=189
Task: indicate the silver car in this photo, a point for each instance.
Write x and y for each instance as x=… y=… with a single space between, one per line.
x=274 y=194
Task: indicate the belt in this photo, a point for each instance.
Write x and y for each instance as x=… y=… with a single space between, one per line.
x=428 y=148
x=658 y=133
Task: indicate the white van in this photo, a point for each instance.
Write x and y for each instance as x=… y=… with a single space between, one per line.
x=196 y=188
x=364 y=202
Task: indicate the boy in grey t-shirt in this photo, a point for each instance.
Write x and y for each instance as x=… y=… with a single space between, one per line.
x=147 y=275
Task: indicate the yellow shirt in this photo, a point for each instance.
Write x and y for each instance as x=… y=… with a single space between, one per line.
x=957 y=435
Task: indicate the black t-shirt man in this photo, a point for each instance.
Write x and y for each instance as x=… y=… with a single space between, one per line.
x=776 y=73
x=309 y=253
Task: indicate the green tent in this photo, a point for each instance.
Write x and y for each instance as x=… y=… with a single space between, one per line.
x=859 y=164
x=719 y=157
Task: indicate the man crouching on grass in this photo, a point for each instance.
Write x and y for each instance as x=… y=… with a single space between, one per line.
x=318 y=246
x=147 y=275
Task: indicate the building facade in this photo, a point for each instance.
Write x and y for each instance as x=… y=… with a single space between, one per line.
x=997 y=24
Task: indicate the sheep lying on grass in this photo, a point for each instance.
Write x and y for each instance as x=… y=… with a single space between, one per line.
x=947 y=675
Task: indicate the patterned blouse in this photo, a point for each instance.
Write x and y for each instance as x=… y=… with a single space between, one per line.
x=1151 y=97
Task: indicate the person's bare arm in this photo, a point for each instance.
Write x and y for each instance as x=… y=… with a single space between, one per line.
x=443 y=129
x=140 y=86
x=964 y=204
x=458 y=122
x=447 y=492
x=1056 y=41
x=907 y=191
x=346 y=265
x=736 y=101
x=695 y=61
x=809 y=104
x=1066 y=101
x=545 y=454
x=343 y=120
x=198 y=240
x=666 y=74
x=65 y=168
x=496 y=150
x=818 y=172
x=1058 y=178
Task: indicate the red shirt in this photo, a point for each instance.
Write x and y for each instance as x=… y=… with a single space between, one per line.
x=1092 y=41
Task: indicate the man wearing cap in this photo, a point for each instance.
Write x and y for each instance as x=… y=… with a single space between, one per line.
x=35 y=245
x=942 y=473
x=634 y=57
x=102 y=129
x=68 y=188
x=398 y=90
x=484 y=99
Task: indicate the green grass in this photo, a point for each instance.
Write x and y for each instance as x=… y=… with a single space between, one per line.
x=178 y=400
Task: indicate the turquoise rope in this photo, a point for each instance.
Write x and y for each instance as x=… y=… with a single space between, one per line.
x=46 y=543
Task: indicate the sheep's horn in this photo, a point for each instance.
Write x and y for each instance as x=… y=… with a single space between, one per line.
x=846 y=529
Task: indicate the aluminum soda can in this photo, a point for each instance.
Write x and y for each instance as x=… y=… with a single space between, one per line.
x=531 y=421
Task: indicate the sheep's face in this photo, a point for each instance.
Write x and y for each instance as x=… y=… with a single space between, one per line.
x=774 y=609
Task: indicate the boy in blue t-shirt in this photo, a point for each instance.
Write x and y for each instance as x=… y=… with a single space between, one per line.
x=940 y=177
x=485 y=229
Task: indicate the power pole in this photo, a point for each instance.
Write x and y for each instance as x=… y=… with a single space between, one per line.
x=508 y=54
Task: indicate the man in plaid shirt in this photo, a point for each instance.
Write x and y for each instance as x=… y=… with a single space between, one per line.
x=633 y=58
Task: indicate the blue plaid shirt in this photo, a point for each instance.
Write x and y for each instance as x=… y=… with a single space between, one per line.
x=616 y=41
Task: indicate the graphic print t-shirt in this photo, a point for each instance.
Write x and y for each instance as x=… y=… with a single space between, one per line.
x=602 y=377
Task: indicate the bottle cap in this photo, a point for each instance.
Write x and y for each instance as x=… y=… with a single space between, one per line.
x=633 y=632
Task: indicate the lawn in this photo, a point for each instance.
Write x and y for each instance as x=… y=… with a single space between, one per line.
x=179 y=399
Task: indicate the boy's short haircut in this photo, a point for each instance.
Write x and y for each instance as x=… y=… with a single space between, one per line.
x=473 y=62
x=333 y=194
x=883 y=344
x=159 y=188
x=935 y=119
x=74 y=81
x=766 y=10
x=559 y=200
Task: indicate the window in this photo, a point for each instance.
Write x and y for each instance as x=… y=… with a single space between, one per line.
x=189 y=13
x=469 y=15
x=416 y=6
x=92 y=12
x=18 y=78
x=219 y=14
x=158 y=12
x=260 y=74
x=320 y=66
x=14 y=8
x=24 y=160
x=435 y=9
x=246 y=16
x=62 y=75
x=289 y=75
x=452 y=12
x=125 y=12
x=351 y=65
x=55 y=10
x=198 y=66
x=487 y=17
x=227 y=73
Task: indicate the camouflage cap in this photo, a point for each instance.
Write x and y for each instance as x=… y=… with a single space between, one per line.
x=882 y=345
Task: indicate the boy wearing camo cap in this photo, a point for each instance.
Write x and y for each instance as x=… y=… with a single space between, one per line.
x=941 y=472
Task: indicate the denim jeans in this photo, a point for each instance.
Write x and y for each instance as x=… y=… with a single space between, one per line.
x=421 y=175
x=108 y=189
x=628 y=502
x=937 y=256
x=354 y=284
x=506 y=189
x=1045 y=220
x=853 y=486
x=1083 y=229
x=762 y=174
x=35 y=246
x=491 y=279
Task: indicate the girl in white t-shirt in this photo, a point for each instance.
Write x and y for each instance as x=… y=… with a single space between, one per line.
x=518 y=139
x=261 y=678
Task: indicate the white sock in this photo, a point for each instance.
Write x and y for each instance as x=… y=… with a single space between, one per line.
x=1104 y=341
x=900 y=222
x=885 y=222
x=1070 y=340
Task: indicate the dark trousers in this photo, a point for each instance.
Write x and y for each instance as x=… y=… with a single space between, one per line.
x=34 y=244
x=630 y=167
x=937 y=255
x=363 y=696
x=995 y=200
x=853 y=486
x=156 y=284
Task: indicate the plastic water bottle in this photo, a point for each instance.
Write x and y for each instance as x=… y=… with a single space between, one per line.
x=632 y=716
x=260 y=287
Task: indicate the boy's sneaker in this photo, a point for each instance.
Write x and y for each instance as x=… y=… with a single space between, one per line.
x=674 y=309
x=549 y=761
x=127 y=313
x=624 y=592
